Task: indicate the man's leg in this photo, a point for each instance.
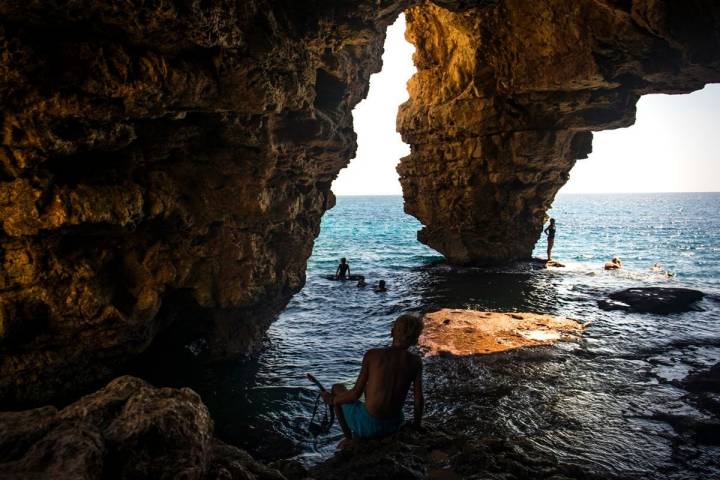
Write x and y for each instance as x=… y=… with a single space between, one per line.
x=339 y=388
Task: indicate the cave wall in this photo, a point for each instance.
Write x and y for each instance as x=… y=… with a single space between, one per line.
x=163 y=170
x=164 y=165
x=507 y=95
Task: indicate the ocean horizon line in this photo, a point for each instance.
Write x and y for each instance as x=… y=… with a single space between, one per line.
x=562 y=193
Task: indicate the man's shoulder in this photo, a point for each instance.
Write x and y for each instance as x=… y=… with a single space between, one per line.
x=373 y=352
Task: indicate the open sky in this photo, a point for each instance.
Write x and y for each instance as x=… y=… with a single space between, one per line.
x=674 y=145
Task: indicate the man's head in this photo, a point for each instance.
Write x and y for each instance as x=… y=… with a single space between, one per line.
x=381 y=283
x=552 y=221
x=343 y=260
x=406 y=330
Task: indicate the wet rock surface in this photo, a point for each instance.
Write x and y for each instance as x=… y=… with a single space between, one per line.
x=652 y=300
x=471 y=332
x=437 y=454
x=507 y=95
x=128 y=429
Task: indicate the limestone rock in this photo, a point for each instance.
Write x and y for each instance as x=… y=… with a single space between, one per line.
x=128 y=429
x=472 y=332
x=507 y=95
x=163 y=171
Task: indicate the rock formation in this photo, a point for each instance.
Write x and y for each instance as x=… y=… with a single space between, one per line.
x=653 y=300
x=128 y=429
x=472 y=332
x=507 y=94
x=163 y=171
x=164 y=165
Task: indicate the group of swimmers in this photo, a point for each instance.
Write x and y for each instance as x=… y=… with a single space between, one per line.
x=343 y=273
x=614 y=264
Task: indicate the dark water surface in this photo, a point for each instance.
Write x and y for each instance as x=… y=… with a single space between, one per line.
x=606 y=402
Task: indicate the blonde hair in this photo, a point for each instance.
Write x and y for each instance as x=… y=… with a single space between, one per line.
x=407 y=329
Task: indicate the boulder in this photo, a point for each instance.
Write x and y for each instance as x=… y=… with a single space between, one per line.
x=652 y=300
x=128 y=429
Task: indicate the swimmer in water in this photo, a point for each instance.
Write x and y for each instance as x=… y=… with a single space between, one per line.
x=614 y=264
x=361 y=282
x=343 y=270
x=381 y=286
x=657 y=268
x=550 y=232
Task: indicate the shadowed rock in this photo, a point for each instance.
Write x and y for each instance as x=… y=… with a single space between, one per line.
x=438 y=454
x=652 y=300
x=128 y=429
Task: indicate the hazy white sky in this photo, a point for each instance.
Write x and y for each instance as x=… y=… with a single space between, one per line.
x=372 y=171
x=674 y=145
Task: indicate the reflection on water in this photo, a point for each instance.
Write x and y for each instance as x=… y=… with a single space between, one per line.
x=596 y=403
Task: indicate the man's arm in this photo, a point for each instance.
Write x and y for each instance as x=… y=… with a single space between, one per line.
x=354 y=393
x=419 y=405
x=337 y=272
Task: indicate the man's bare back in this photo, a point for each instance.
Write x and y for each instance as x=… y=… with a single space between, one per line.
x=391 y=371
x=385 y=378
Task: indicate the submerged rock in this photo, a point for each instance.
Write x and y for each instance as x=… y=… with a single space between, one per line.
x=470 y=332
x=652 y=300
x=128 y=429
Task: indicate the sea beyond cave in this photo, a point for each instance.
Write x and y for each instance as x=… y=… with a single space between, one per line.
x=610 y=403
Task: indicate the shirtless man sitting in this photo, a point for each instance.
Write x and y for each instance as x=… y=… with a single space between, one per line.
x=385 y=378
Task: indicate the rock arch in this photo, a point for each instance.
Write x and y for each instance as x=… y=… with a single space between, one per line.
x=506 y=98
x=164 y=167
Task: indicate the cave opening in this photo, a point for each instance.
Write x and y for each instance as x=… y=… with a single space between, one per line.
x=379 y=146
x=669 y=156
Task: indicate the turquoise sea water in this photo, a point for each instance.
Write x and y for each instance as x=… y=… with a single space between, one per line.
x=601 y=403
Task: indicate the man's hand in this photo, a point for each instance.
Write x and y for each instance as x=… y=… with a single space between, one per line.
x=327 y=397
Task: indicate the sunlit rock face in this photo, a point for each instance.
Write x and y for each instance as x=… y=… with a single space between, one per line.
x=163 y=171
x=507 y=94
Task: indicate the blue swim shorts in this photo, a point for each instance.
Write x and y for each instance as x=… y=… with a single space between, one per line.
x=364 y=425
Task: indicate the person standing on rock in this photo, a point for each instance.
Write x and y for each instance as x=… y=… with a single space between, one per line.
x=343 y=270
x=550 y=232
x=385 y=378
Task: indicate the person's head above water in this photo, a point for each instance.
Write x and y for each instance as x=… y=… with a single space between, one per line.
x=406 y=330
x=343 y=260
x=381 y=283
x=552 y=221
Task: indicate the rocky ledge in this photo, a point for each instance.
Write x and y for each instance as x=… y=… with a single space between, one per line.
x=472 y=332
x=125 y=430
x=440 y=455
